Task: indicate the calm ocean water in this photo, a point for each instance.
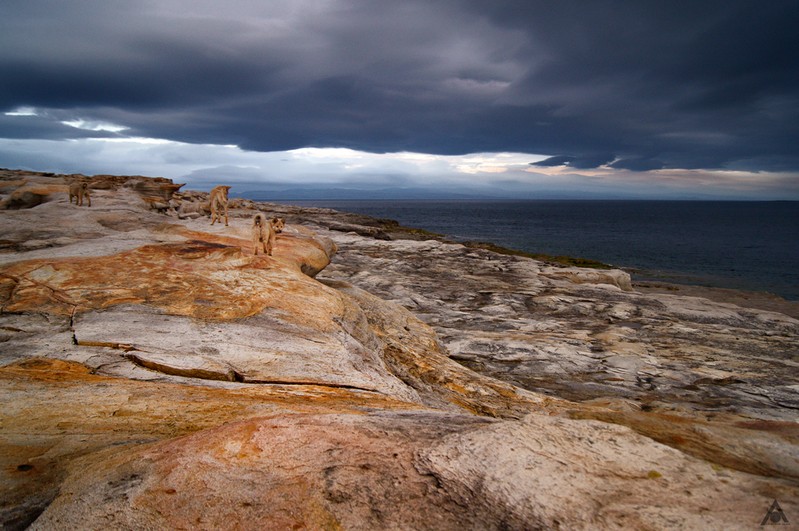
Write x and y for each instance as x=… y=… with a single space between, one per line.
x=742 y=245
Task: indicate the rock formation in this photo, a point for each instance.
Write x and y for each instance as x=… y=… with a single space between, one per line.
x=155 y=374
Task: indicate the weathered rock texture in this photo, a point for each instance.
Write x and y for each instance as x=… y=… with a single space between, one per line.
x=582 y=334
x=155 y=374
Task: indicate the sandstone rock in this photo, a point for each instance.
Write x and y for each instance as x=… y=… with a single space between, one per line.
x=334 y=350
x=54 y=413
x=23 y=199
x=536 y=327
x=613 y=277
x=157 y=374
x=764 y=447
x=193 y=209
x=414 y=470
x=688 y=359
x=413 y=352
x=548 y=472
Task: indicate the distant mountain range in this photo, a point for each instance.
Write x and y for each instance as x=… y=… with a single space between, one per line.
x=320 y=193
x=345 y=194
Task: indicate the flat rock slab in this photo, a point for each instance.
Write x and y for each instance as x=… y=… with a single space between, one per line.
x=258 y=349
x=415 y=470
x=581 y=334
x=54 y=412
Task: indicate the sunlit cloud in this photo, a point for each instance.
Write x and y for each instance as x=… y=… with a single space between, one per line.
x=473 y=164
x=494 y=162
x=505 y=174
x=90 y=125
x=22 y=111
x=131 y=140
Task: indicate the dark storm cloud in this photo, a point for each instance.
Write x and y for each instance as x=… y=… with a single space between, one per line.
x=560 y=160
x=634 y=84
x=583 y=162
x=42 y=127
x=638 y=164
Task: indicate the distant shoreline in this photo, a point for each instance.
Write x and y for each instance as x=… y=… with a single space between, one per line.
x=747 y=246
x=761 y=300
x=755 y=299
x=346 y=196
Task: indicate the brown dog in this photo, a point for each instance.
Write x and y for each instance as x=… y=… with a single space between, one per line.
x=80 y=191
x=263 y=234
x=278 y=224
x=219 y=199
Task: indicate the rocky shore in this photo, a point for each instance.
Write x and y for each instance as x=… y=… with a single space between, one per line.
x=156 y=374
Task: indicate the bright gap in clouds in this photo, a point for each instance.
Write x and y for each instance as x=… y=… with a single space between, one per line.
x=77 y=123
x=94 y=126
x=201 y=164
x=470 y=164
x=501 y=175
x=120 y=153
x=22 y=111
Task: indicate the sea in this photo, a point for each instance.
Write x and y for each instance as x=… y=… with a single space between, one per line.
x=748 y=245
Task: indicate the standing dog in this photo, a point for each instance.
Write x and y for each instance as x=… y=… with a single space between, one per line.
x=263 y=234
x=219 y=200
x=80 y=191
x=278 y=224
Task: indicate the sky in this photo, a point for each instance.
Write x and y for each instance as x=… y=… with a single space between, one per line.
x=502 y=98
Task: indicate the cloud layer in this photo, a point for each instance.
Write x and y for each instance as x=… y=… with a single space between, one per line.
x=631 y=86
